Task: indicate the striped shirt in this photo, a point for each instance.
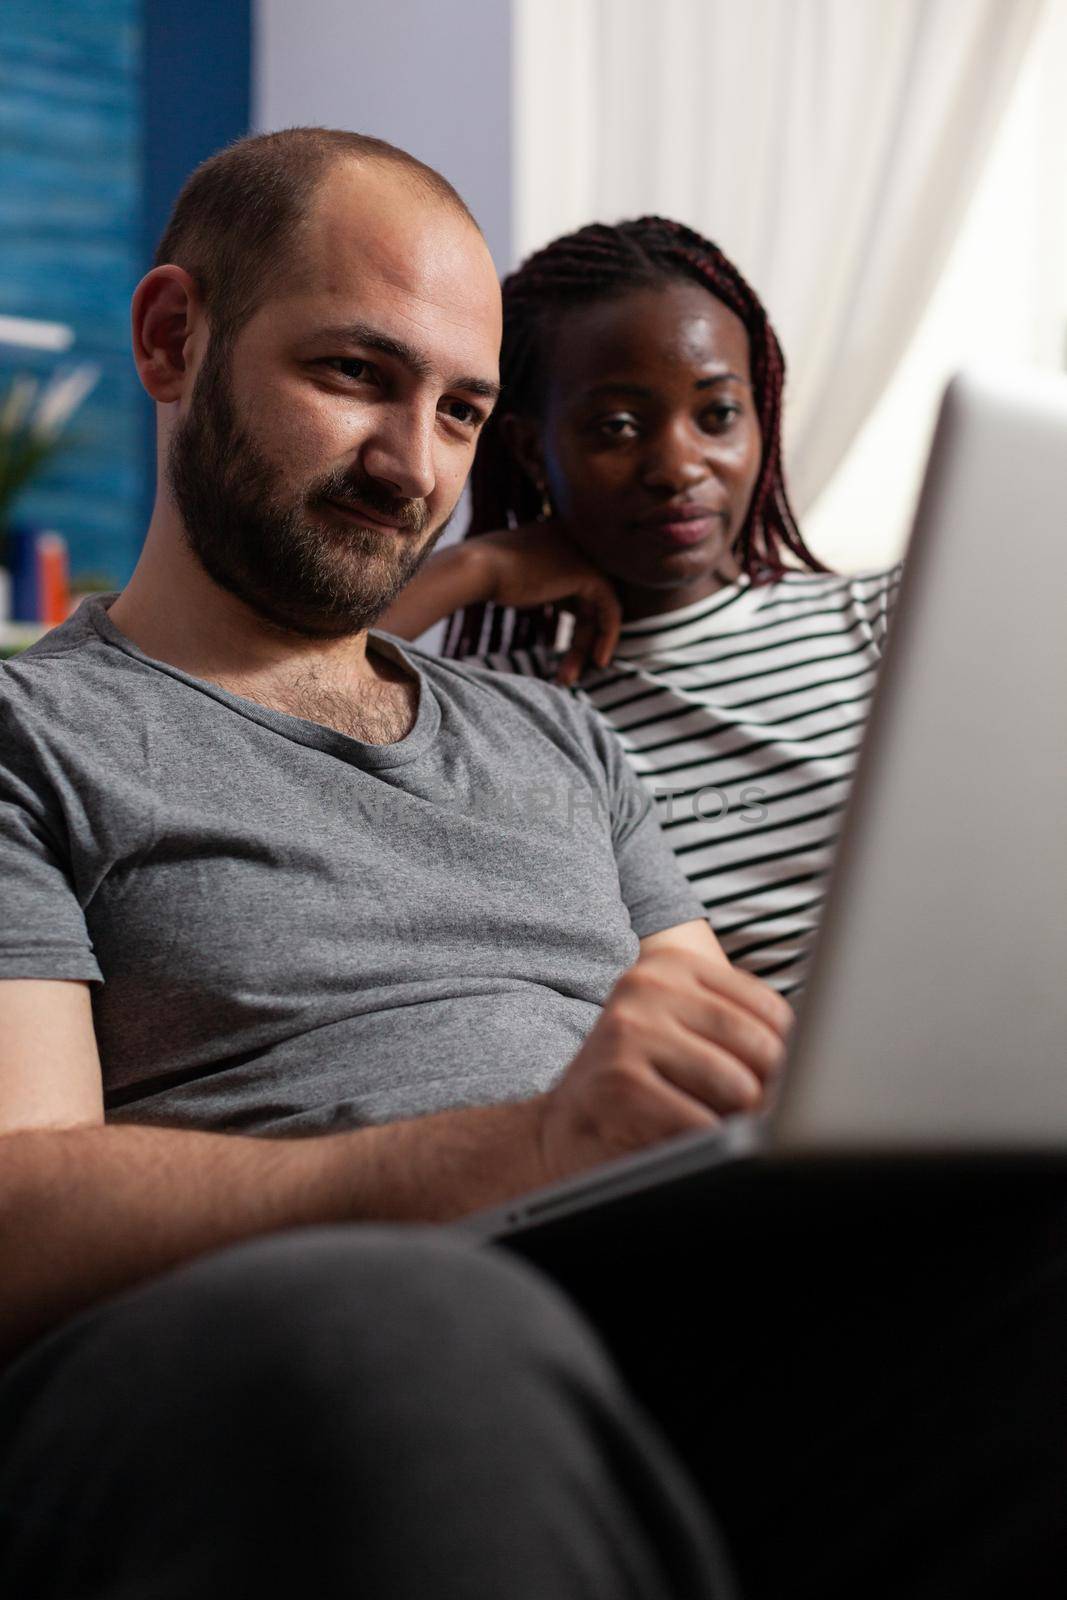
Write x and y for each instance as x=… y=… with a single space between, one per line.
x=743 y=714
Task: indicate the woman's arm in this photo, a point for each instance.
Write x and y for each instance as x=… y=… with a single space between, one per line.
x=534 y=565
x=460 y=575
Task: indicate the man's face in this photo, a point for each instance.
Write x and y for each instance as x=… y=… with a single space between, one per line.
x=321 y=454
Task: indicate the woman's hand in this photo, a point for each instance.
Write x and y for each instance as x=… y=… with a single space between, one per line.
x=536 y=565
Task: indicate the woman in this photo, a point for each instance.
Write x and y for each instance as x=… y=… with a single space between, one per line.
x=632 y=476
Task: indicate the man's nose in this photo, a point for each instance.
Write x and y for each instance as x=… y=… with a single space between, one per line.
x=677 y=458
x=400 y=452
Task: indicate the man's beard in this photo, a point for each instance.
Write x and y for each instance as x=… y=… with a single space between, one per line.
x=319 y=580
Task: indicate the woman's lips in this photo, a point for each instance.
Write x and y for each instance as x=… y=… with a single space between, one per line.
x=687 y=530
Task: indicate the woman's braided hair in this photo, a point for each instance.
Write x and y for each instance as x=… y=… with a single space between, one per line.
x=595 y=263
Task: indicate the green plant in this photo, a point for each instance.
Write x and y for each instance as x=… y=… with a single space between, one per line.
x=33 y=415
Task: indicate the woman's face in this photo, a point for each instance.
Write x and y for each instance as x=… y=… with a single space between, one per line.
x=650 y=443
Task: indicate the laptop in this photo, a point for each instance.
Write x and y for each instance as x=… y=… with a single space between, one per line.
x=934 y=1020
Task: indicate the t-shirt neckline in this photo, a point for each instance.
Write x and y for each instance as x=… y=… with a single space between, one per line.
x=316 y=735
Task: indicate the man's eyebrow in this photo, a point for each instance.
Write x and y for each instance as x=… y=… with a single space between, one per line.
x=482 y=387
x=362 y=333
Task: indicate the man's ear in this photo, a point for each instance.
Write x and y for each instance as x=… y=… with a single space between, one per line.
x=166 y=308
x=522 y=435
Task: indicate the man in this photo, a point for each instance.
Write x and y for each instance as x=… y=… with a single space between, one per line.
x=293 y=856
x=352 y=975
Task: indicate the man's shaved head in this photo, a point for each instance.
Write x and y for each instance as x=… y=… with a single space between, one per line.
x=238 y=218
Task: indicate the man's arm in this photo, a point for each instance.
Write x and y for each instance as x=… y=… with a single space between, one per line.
x=87 y=1210
x=49 y=1064
x=696 y=936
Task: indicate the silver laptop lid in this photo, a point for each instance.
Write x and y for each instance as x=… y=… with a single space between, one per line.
x=936 y=1015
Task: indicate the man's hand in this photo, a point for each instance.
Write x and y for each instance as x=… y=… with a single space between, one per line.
x=682 y=1040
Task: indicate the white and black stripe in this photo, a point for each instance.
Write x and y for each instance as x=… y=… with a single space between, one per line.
x=743 y=713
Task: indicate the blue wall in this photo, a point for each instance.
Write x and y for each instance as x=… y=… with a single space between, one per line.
x=105 y=108
x=70 y=204
x=197 y=98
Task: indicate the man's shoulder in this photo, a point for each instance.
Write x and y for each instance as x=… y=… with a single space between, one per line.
x=64 y=680
x=66 y=647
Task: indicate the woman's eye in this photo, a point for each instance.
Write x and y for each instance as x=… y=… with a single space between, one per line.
x=620 y=426
x=721 y=416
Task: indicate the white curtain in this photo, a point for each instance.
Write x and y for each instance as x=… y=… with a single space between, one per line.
x=829 y=147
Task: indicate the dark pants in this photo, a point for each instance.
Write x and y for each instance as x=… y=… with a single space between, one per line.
x=863 y=1371
x=349 y=1411
x=863 y=1364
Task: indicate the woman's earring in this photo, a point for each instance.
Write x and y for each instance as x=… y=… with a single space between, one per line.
x=546 y=505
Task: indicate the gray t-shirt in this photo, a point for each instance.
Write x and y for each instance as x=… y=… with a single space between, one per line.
x=297 y=931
